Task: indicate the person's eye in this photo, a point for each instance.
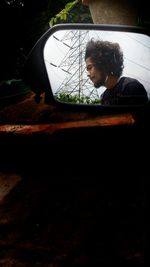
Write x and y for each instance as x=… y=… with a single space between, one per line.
x=89 y=67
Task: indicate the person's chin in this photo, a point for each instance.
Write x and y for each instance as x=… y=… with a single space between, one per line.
x=97 y=84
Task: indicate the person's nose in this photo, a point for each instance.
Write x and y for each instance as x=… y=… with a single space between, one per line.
x=88 y=74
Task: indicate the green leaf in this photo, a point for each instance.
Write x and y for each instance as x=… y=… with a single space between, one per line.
x=63 y=14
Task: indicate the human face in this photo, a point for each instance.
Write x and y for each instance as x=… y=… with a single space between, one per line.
x=96 y=76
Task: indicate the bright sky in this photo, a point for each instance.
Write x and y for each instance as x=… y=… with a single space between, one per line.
x=61 y=55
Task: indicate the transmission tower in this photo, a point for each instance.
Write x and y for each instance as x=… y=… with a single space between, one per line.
x=76 y=82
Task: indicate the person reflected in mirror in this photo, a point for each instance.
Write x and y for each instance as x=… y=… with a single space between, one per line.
x=105 y=63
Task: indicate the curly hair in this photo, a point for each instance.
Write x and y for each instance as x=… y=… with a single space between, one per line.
x=107 y=56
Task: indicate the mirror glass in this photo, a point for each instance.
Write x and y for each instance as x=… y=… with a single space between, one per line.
x=64 y=56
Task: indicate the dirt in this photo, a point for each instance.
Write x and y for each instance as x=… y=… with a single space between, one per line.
x=52 y=214
x=45 y=223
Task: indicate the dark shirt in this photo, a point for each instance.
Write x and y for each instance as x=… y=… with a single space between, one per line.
x=128 y=91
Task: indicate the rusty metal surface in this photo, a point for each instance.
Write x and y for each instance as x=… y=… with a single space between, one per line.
x=28 y=117
x=125 y=119
x=7 y=183
x=61 y=203
x=71 y=224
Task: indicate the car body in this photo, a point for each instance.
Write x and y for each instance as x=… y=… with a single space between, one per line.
x=83 y=168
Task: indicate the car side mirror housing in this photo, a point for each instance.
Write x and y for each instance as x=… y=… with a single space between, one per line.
x=56 y=64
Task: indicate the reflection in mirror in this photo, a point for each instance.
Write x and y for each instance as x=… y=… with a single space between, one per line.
x=69 y=74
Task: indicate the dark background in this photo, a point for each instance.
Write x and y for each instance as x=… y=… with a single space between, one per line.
x=22 y=22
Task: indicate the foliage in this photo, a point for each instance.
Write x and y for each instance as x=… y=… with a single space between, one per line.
x=62 y=15
x=13 y=87
x=73 y=12
x=16 y=3
x=67 y=97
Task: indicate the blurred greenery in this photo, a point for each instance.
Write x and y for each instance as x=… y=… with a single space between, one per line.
x=14 y=87
x=73 y=12
x=76 y=98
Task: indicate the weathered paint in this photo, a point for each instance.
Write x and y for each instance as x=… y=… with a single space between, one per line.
x=111 y=120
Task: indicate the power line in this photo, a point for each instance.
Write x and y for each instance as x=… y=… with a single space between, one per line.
x=137 y=64
x=138 y=41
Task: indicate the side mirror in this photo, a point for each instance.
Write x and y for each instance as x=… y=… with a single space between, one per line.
x=56 y=64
